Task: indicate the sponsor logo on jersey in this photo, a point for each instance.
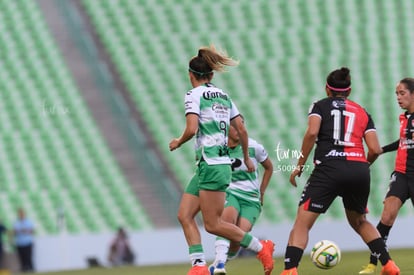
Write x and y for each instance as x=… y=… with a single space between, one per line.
x=187 y=105
x=235 y=164
x=334 y=153
x=406 y=143
x=211 y=95
x=344 y=143
x=338 y=103
x=219 y=108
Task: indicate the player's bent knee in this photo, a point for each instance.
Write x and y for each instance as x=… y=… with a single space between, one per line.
x=357 y=223
x=388 y=218
x=184 y=219
x=212 y=228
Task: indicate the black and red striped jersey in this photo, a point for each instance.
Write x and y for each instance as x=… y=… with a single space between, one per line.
x=404 y=161
x=343 y=126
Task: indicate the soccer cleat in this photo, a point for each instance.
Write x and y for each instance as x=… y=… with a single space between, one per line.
x=390 y=269
x=199 y=270
x=292 y=271
x=218 y=269
x=369 y=269
x=266 y=256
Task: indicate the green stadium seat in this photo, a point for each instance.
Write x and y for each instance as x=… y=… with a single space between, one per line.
x=48 y=150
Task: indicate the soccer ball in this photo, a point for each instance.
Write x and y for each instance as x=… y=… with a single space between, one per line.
x=325 y=254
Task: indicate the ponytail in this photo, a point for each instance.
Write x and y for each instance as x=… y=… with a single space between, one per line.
x=208 y=60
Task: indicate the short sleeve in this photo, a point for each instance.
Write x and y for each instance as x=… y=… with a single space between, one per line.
x=370 y=124
x=191 y=103
x=234 y=111
x=260 y=152
x=315 y=109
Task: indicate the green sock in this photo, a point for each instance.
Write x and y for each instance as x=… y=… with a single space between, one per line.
x=197 y=248
x=232 y=255
x=247 y=238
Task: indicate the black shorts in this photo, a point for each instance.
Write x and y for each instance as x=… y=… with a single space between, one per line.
x=347 y=179
x=401 y=186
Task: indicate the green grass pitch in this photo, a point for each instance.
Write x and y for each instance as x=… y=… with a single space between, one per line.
x=351 y=263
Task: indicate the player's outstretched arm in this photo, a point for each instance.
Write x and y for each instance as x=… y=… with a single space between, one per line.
x=391 y=147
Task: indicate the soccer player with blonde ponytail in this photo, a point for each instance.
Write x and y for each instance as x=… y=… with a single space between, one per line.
x=209 y=113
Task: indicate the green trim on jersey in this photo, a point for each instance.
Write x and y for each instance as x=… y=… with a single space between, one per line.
x=250 y=196
x=215 y=151
x=242 y=175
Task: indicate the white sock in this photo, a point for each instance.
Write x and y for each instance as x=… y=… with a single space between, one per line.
x=255 y=245
x=197 y=259
x=222 y=247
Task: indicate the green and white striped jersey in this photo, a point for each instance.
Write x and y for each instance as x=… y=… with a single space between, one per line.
x=244 y=184
x=214 y=109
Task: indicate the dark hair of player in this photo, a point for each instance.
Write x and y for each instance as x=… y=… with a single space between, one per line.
x=339 y=82
x=409 y=83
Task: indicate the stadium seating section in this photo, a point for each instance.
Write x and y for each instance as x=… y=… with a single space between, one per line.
x=286 y=49
x=54 y=157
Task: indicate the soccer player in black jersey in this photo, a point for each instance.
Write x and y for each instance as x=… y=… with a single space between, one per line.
x=338 y=126
x=402 y=179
